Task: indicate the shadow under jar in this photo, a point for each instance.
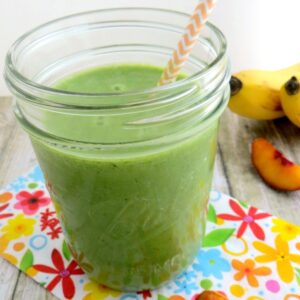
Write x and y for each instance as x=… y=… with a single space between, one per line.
x=129 y=173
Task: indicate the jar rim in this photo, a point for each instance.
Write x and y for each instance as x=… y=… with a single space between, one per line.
x=168 y=87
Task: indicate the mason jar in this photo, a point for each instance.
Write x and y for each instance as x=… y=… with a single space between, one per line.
x=130 y=172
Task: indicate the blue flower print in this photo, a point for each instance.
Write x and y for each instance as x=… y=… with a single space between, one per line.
x=185 y=287
x=36 y=174
x=210 y=263
x=19 y=184
x=187 y=275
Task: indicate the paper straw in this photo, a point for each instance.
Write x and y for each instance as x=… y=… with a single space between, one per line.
x=186 y=44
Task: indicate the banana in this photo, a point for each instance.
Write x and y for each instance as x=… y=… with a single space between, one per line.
x=256 y=94
x=290 y=100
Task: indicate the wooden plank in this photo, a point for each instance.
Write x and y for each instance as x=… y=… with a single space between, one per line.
x=8 y=279
x=8 y=274
x=17 y=158
x=16 y=153
x=6 y=125
x=220 y=182
x=235 y=139
x=28 y=289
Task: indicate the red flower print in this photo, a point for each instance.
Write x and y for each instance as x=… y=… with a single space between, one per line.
x=62 y=274
x=248 y=219
x=146 y=294
x=7 y=215
x=49 y=221
x=30 y=203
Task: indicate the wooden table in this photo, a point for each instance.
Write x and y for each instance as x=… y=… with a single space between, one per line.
x=234 y=175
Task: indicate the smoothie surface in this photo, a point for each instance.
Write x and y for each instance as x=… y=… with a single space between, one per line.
x=113 y=79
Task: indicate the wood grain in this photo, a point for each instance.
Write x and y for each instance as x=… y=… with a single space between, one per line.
x=16 y=158
x=234 y=175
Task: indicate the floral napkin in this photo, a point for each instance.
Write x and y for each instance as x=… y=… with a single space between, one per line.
x=246 y=254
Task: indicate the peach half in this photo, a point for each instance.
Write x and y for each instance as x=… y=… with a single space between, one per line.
x=211 y=295
x=274 y=168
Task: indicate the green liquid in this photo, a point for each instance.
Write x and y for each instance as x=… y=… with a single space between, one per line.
x=113 y=79
x=133 y=222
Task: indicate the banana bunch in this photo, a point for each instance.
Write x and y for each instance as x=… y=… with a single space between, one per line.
x=267 y=95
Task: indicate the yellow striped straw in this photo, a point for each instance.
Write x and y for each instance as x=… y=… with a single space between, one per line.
x=186 y=44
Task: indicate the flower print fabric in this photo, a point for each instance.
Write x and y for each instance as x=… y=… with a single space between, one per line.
x=30 y=203
x=286 y=230
x=248 y=219
x=62 y=274
x=98 y=291
x=18 y=227
x=281 y=256
x=4 y=215
x=250 y=271
x=211 y=263
x=246 y=254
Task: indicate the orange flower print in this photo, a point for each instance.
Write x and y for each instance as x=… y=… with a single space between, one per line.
x=5 y=197
x=280 y=255
x=247 y=269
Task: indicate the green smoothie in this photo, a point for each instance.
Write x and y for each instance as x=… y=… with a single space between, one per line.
x=132 y=221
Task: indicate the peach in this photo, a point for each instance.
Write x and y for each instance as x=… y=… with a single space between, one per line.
x=274 y=168
x=176 y=297
x=210 y=295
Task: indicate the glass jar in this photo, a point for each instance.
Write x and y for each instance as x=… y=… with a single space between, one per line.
x=129 y=173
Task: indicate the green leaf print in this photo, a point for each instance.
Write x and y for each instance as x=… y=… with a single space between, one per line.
x=298 y=279
x=211 y=215
x=161 y=297
x=298 y=275
x=217 y=237
x=65 y=250
x=32 y=185
x=26 y=261
x=244 y=204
